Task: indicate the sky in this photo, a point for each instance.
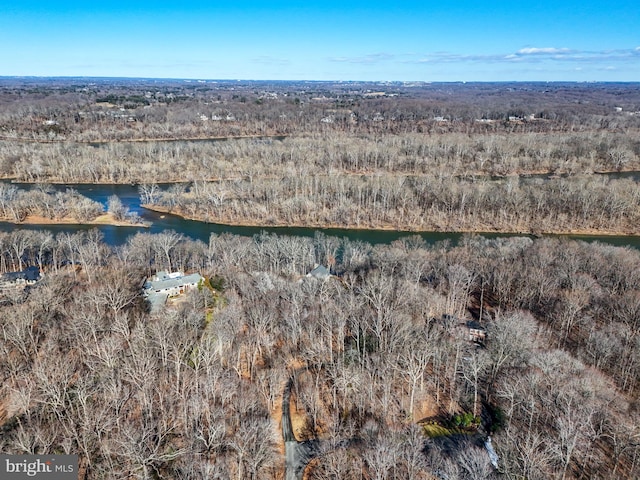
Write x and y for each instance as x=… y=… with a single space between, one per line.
x=345 y=40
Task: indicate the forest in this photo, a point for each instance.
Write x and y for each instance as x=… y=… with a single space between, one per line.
x=532 y=158
x=405 y=360
x=385 y=376
x=585 y=204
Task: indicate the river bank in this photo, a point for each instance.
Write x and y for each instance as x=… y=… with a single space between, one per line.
x=160 y=220
x=487 y=229
x=632 y=173
x=105 y=219
x=139 y=140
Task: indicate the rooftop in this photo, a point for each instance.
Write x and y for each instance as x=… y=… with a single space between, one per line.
x=30 y=274
x=164 y=280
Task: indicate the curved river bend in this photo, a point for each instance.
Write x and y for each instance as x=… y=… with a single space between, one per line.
x=201 y=230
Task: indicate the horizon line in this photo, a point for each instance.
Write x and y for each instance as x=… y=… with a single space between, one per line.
x=202 y=79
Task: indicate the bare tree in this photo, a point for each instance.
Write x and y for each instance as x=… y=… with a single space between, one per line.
x=474 y=365
x=117 y=208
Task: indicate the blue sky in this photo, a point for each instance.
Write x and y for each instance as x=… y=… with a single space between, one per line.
x=324 y=40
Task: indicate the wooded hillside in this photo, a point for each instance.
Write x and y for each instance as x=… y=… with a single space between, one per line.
x=385 y=375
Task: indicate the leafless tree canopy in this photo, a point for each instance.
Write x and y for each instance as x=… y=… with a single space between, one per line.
x=405 y=360
x=385 y=375
x=418 y=157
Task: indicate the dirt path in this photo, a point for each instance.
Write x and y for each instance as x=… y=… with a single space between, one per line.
x=297 y=454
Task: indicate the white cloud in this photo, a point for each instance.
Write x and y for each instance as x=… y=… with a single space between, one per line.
x=366 y=59
x=540 y=57
x=544 y=51
x=535 y=54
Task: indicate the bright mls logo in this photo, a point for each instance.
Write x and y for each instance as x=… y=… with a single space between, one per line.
x=50 y=467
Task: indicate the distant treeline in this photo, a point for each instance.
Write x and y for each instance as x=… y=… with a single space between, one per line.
x=128 y=110
x=337 y=153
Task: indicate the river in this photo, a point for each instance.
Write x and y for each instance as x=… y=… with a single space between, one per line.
x=201 y=230
x=182 y=141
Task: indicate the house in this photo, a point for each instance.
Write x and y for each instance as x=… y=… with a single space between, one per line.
x=28 y=276
x=164 y=285
x=477 y=333
x=320 y=272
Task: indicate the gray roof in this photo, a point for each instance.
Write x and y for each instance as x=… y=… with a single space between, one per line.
x=155 y=290
x=30 y=274
x=157 y=300
x=320 y=272
x=166 y=282
x=473 y=325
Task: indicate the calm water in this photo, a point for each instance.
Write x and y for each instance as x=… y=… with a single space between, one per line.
x=201 y=230
x=182 y=141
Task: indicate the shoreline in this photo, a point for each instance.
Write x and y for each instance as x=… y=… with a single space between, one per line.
x=390 y=228
x=105 y=219
x=552 y=174
x=141 y=140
